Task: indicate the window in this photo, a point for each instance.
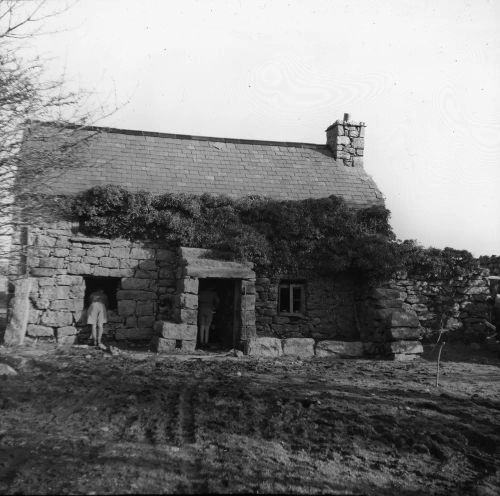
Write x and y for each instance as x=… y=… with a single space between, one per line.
x=292 y=297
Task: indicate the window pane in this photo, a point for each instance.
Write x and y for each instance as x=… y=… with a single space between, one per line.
x=297 y=299
x=284 y=298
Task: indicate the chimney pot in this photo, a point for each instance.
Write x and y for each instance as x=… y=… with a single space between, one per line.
x=346 y=117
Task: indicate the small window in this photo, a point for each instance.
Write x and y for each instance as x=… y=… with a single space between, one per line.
x=292 y=298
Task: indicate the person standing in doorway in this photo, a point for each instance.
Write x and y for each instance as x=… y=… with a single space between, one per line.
x=207 y=304
x=97 y=315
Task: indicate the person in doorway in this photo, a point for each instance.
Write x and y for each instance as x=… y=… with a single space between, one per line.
x=207 y=305
x=97 y=315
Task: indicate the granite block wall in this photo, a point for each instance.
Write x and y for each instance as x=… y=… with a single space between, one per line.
x=150 y=287
x=329 y=310
x=59 y=264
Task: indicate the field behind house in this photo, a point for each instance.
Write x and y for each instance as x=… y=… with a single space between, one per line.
x=80 y=421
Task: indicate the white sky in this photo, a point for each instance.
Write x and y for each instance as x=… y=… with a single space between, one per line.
x=424 y=75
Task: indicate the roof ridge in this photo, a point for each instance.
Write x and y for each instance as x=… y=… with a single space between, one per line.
x=154 y=134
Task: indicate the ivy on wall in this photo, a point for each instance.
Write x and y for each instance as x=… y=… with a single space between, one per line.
x=436 y=264
x=280 y=236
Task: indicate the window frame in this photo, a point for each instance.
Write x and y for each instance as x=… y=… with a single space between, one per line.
x=290 y=285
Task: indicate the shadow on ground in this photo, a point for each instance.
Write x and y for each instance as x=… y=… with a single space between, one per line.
x=81 y=421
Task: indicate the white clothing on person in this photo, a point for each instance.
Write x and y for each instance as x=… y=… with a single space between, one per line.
x=96 y=313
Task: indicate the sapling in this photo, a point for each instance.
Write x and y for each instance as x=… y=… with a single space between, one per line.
x=438 y=359
x=441 y=331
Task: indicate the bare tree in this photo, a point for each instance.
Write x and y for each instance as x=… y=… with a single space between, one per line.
x=40 y=121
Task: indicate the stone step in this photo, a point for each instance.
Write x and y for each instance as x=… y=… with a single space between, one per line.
x=162 y=345
x=173 y=330
x=339 y=348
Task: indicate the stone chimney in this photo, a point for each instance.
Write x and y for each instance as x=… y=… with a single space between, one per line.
x=346 y=139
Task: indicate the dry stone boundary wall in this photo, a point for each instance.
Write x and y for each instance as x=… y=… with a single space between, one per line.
x=458 y=305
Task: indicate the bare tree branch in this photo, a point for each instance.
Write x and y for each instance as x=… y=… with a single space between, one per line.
x=18 y=14
x=39 y=139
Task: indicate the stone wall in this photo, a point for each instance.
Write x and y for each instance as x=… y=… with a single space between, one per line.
x=177 y=328
x=388 y=327
x=159 y=284
x=329 y=314
x=459 y=304
x=18 y=311
x=58 y=262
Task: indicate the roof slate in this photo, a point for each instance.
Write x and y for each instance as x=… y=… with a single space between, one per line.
x=161 y=163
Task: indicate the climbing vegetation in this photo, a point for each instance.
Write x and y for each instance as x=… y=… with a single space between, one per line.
x=277 y=235
x=434 y=263
x=280 y=236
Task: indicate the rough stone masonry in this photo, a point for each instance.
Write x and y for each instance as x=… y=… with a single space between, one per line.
x=59 y=262
x=156 y=286
x=156 y=298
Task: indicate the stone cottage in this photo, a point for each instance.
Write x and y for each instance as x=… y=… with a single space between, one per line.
x=153 y=289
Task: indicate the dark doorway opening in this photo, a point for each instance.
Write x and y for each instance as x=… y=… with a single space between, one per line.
x=225 y=328
x=109 y=285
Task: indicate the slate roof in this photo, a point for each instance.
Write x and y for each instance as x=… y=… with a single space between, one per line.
x=159 y=163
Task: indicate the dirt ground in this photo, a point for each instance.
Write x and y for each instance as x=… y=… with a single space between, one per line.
x=80 y=421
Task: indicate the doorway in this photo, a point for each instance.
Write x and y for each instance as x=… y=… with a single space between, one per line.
x=109 y=285
x=225 y=329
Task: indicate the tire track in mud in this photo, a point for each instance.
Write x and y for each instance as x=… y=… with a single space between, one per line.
x=170 y=407
x=175 y=411
x=187 y=416
x=170 y=419
x=183 y=405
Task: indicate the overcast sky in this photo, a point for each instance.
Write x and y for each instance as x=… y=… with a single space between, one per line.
x=424 y=76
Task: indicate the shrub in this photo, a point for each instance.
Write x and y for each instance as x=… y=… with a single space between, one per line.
x=434 y=263
x=323 y=235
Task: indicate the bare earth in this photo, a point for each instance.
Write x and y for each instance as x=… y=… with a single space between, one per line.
x=81 y=421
